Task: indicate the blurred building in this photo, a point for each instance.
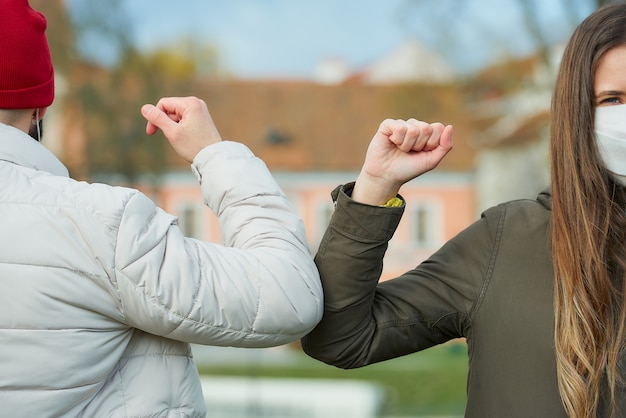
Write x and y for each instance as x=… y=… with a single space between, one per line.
x=313 y=135
x=511 y=118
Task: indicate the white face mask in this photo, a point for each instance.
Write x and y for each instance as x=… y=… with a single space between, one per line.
x=610 y=127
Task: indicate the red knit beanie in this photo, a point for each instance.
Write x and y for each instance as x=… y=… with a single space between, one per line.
x=26 y=73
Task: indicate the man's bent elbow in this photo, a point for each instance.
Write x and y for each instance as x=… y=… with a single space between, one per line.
x=288 y=311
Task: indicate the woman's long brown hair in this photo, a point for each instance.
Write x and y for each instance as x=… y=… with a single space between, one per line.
x=588 y=227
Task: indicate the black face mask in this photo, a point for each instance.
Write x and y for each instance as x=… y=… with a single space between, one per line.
x=33 y=132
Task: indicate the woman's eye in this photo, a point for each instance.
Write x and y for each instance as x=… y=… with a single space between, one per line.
x=610 y=100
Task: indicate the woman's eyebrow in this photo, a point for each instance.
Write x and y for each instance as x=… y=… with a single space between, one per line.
x=610 y=93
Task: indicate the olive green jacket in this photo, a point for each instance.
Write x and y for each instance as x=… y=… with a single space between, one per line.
x=491 y=284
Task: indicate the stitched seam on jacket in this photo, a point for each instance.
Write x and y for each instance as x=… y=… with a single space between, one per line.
x=245 y=199
x=49 y=266
x=148 y=222
x=177 y=409
x=117 y=235
x=133 y=356
x=258 y=304
x=195 y=299
x=419 y=320
x=492 y=262
x=121 y=387
x=52 y=389
x=444 y=316
x=183 y=318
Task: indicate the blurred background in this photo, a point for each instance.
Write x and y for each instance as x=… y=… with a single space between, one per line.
x=305 y=85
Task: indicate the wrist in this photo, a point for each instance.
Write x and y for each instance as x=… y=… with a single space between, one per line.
x=374 y=191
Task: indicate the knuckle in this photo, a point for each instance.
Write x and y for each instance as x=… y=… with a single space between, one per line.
x=438 y=126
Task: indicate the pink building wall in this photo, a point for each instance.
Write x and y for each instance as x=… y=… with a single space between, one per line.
x=442 y=204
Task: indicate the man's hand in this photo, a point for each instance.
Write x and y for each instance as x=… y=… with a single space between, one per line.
x=185 y=122
x=399 y=152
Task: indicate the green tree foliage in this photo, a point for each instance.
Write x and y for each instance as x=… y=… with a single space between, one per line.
x=110 y=102
x=104 y=100
x=61 y=34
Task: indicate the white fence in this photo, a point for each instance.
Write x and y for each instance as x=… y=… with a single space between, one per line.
x=234 y=397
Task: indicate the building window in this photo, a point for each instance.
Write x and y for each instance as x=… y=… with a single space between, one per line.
x=426 y=225
x=324 y=213
x=189 y=219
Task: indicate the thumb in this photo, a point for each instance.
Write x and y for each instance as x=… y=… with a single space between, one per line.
x=445 y=144
x=157 y=119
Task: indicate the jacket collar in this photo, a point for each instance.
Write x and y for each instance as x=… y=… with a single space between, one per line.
x=18 y=148
x=545 y=197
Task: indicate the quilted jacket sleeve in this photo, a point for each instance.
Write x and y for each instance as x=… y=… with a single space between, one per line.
x=260 y=289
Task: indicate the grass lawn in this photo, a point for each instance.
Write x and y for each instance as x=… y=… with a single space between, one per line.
x=431 y=382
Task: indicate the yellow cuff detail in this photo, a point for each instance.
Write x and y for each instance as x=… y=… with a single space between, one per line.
x=394 y=202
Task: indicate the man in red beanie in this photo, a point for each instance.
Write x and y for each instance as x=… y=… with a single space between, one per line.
x=101 y=293
x=27 y=76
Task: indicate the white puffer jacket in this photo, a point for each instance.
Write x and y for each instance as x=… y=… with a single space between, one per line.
x=100 y=293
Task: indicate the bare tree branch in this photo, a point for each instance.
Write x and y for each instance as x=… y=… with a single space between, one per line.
x=438 y=14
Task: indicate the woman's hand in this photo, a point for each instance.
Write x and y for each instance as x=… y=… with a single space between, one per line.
x=400 y=151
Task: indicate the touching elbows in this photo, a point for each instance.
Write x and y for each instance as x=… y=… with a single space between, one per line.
x=290 y=305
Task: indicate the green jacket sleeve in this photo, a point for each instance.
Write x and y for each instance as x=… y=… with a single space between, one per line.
x=365 y=321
